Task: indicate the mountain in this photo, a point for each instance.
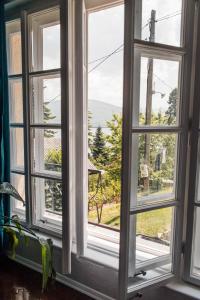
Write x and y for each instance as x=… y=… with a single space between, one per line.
x=102 y=112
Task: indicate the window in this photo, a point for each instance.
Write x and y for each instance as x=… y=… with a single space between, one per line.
x=42 y=162
x=99 y=95
x=105 y=73
x=13 y=30
x=153 y=137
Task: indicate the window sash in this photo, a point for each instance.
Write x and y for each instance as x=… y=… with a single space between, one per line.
x=65 y=126
x=193 y=159
x=127 y=264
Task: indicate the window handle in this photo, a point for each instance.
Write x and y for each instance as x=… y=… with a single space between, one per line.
x=138 y=295
x=144 y=273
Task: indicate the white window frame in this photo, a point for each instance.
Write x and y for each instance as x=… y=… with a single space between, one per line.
x=73 y=63
x=193 y=162
x=13 y=27
x=127 y=265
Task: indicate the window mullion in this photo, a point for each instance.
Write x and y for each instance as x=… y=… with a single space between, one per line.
x=185 y=94
x=27 y=141
x=126 y=149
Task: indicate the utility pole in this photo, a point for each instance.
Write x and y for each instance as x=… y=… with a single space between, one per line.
x=149 y=98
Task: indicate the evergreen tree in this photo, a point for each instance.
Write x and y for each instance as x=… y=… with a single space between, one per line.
x=172 y=109
x=48 y=116
x=90 y=134
x=99 y=150
x=114 y=140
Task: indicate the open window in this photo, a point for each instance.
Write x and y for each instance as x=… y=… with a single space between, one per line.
x=99 y=141
x=154 y=137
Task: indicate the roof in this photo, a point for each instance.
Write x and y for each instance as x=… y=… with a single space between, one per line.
x=92 y=169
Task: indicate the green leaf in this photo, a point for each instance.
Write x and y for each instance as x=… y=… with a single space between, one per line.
x=8 y=189
x=14 y=241
x=47 y=263
x=16 y=221
x=26 y=240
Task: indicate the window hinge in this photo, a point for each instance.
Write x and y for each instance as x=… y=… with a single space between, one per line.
x=183 y=248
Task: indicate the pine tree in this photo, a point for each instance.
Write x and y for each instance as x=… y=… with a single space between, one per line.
x=114 y=140
x=90 y=134
x=172 y=109
x=99 y=151
x=48 y=116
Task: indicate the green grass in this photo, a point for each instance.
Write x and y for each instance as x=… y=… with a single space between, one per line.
x=150 y=223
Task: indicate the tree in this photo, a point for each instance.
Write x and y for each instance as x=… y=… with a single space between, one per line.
x=90 y=135
x=172 y=109
x=53 y=188
x=48 y=116
x=99 y=149
x=114 y=140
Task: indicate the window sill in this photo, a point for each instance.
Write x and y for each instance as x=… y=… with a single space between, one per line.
x=185 y=289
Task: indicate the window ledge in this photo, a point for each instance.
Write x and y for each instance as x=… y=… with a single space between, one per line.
x=186 y=289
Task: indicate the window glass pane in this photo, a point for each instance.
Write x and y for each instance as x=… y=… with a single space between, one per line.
x=17 y=148
x=13 y=36
x=105 y=98
x=195 y=266
x=154 y=167
x=45 y=40
x=156 y=101
x=18 y=181
x=152 y=17
x=15 y=101
x=48 y=196
x=46 y=95
x=47 y=151
x=153 y=241
x=197 y=194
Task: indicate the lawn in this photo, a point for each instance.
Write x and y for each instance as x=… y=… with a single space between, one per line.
x=151 y=223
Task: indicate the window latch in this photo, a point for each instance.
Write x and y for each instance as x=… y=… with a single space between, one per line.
x=143 y=273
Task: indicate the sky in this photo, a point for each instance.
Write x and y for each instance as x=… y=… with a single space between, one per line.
x=106 y=33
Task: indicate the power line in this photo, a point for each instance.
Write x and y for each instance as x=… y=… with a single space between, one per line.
x=98 y=59
x=118 y=49
x=163 y=82
x=166 y=17
x=107 y=57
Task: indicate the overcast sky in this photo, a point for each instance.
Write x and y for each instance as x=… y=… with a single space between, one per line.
x=106 y=33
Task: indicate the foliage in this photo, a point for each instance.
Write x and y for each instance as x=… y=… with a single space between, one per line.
x=172 y=110
x=48 y=116
x=53 y=188
x=47 y=261
x=7 y=188
x=53 y=160
x=161 y=161
x=90 y=135
x=14 y=230
x=99 y=150
x=114 y=140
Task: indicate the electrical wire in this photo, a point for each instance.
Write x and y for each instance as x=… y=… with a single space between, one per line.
x=107 y=57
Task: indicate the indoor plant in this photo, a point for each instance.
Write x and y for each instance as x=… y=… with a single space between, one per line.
x=16 y=230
